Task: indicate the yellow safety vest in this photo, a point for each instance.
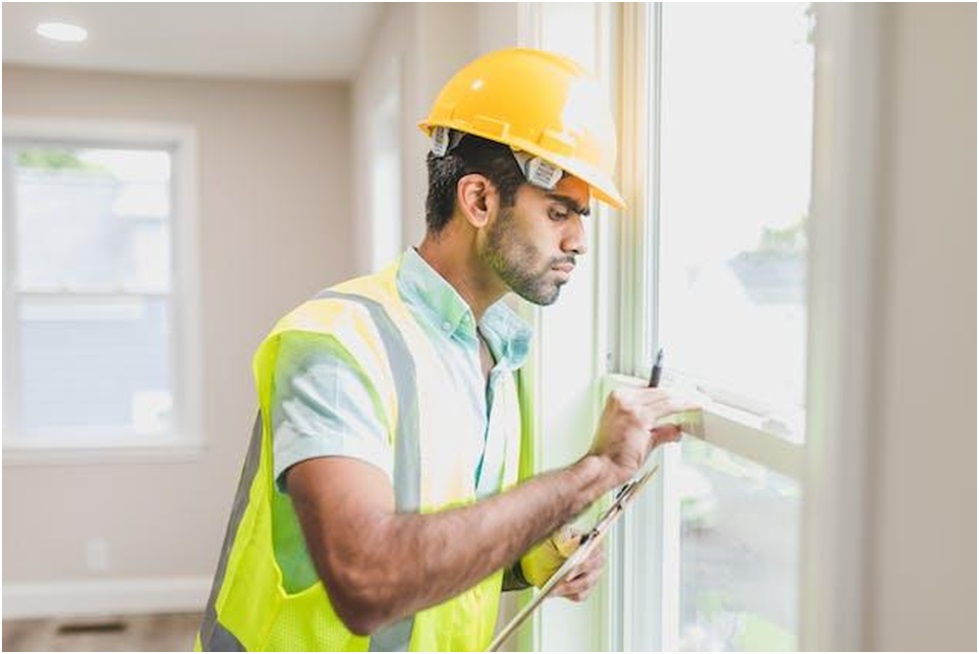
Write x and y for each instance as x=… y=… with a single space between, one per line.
x=249 y=607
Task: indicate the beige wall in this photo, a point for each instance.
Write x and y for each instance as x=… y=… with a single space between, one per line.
x=426 y=43
x=922 y=553
x=273 y=227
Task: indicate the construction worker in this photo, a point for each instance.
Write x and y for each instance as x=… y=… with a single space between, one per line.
x=386 y=498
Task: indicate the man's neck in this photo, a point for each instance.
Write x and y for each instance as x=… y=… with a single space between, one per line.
x=458 y=264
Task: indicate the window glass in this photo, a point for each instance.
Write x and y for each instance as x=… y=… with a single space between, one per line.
x=94 y=363
x=739 y=553
x=90 y=291
x=96 y=220
x=735 y=139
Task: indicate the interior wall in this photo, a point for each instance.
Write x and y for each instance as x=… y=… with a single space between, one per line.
x=425 y=42
x=273 y=213
x=387 y=62
x=922 y=590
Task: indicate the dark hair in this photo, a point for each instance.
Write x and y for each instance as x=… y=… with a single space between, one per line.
x=472 y=155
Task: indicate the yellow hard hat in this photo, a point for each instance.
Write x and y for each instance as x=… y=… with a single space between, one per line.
x=536 y=102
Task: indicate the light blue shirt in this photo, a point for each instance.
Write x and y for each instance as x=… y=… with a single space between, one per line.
x=323 y=406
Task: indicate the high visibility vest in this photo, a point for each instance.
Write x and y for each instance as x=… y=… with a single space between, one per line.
x=249 y=607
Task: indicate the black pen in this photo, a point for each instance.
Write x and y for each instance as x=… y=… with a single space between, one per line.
x=654 y=376
x=657 y=370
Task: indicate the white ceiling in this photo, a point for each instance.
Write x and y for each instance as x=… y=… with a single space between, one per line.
x=293 y=41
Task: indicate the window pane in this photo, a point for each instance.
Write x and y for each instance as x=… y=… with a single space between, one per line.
x=385 y=178
x=94 y=364
x=739 y=549
x=736 y=132
x=92 y=219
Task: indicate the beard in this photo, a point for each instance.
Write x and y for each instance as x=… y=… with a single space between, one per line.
x=520 y=264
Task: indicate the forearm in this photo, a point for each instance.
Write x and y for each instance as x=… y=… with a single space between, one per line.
x=406 y=563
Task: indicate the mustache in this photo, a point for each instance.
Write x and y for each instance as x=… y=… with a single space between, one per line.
x=558 y=261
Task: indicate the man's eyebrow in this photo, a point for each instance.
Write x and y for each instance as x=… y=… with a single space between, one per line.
x=570 y=204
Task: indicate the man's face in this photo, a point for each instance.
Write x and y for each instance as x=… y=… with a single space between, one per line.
x=532 y=245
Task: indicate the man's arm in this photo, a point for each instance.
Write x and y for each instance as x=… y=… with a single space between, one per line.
x=379 y=565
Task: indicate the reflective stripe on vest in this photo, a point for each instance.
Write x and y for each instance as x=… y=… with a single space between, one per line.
x=407 y=462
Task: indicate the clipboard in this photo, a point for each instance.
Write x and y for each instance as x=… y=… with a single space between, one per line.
x=589 y=540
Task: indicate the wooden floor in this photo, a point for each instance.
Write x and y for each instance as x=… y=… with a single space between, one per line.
x=142 y=633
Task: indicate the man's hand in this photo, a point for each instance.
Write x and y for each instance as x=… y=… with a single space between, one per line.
x=627 y=431
x=545 y=559
x=379 y=565
x=583 y=579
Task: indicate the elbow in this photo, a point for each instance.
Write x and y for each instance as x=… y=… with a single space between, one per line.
x=359 y=619
x=362 y=627
x=358 y=604
x=366 y=587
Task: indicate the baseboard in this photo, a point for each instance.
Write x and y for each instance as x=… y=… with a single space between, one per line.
x=51 y=599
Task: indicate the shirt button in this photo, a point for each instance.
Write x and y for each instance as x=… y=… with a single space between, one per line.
x=446 y=326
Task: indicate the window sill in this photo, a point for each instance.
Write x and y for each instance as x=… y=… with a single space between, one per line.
x=736 y=431
x=41 y=453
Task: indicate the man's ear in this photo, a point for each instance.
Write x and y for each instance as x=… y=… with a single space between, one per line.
x=476 y=199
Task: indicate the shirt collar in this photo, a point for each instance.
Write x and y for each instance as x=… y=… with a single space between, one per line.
x=424 y=289
x=507 y=333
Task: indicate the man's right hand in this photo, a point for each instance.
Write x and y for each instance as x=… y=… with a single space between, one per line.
x=627 y=431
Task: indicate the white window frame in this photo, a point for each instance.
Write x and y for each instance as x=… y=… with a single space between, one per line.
x=185 y=440
x=841 y=262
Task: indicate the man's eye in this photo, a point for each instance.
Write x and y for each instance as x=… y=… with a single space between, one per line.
x=558 y=214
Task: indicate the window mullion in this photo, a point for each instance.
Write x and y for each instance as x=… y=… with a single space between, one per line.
x=635 y=254
x=650 y=255
x=669 y=561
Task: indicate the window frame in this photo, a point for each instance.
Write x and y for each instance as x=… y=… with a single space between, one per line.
x=844 y=258
x=185 y=439
x=654 y=523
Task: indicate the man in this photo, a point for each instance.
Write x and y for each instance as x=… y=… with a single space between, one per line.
x=380 y=506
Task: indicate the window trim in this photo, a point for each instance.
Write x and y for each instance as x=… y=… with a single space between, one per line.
x=656 y=517
x=638 y=238
x=845 y=236
x=186 y=441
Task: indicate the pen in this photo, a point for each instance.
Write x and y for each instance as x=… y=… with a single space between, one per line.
x=654 y=376
x=657 y=370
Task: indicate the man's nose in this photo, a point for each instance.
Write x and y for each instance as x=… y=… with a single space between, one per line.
x=575 y=239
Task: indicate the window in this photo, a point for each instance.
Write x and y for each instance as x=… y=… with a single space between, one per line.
x=385 y=172
x=710 y=555
x=98 y=308
x=735 y=154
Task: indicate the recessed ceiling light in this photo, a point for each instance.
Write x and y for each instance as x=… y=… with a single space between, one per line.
x=62 y=32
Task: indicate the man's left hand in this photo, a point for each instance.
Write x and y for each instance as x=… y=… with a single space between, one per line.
x=583 y=579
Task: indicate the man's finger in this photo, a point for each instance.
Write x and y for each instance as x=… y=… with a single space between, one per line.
x=580 y=587
x=665 y=434
x=584 y=577
x=594 y=561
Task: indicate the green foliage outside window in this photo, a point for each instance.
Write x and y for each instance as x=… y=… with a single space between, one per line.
x=40 y=159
